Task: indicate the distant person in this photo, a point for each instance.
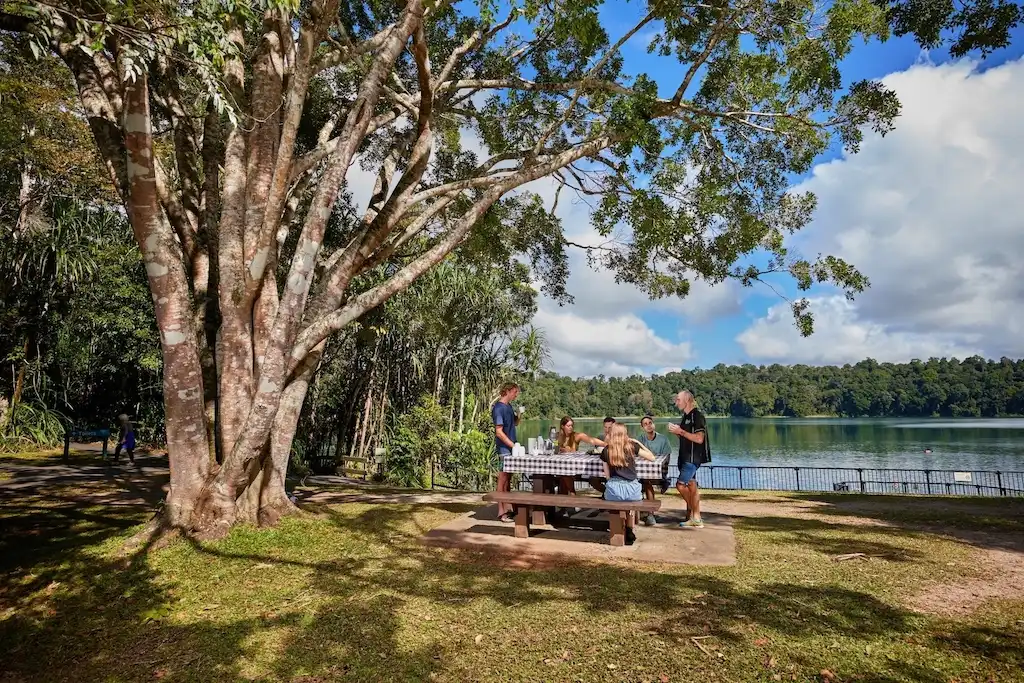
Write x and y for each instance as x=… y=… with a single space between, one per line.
x=694 y=451
x=568 y=441
x=125 y=438
x=619 y=459
x=505 y=421
x=659 y=445
x=597 y=483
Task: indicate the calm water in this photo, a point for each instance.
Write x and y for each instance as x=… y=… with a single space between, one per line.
x=968 y=444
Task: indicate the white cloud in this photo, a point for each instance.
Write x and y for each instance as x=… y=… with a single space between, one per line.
x=840 y=337
x=598 y=298
x=933 y=214
x=611 y=345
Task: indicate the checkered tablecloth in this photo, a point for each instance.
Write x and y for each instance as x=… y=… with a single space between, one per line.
x=576 y=464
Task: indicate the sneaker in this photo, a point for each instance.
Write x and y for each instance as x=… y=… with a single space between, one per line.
x=650 y=520
x=507 y=518
x=665 y=486
x=693 y=523
x=630 y=537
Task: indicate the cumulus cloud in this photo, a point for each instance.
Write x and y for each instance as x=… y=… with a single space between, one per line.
x=933 y=214
x=598 y=298
x=612 y=345
x=841 y=337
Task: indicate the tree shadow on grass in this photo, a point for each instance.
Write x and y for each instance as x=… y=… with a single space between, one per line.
x=114 y=620
x=821 y=536
x=989 y=523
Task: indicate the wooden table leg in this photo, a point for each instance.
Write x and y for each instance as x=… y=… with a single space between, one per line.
x=617 y=522
x=538 y=516
x=523 y=521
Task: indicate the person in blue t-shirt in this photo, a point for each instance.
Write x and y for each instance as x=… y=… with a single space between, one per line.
x=505 y=421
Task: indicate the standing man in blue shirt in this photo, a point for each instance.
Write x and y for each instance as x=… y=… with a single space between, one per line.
x=659 y=445
x=504 y=418
x=694 y=451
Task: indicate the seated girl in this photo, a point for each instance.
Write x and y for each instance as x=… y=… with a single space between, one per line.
x=620 y=469
x=568 y=441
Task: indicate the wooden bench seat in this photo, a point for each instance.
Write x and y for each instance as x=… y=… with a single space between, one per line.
x=522 y=502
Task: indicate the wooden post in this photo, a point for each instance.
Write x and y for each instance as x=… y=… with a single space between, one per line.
x=617 y=522
x=523 y=521
x=67 y=445
x=539 y=518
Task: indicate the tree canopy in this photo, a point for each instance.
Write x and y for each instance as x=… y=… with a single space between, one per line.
x=228 y=130
x=972 y=387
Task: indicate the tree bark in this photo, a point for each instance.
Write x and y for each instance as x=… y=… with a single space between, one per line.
x=185 y=417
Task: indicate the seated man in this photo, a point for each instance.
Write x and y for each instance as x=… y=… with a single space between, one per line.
x=659 y=445
x=598 y=483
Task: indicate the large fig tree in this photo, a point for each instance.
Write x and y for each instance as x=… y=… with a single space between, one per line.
x=228 y=130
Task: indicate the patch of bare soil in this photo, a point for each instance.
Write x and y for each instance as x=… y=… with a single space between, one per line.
x=1002 y=577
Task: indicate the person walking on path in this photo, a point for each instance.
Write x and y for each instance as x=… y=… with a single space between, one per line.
x=504 y=418
x=657 y=444
x=125 y=438
x=694 y=451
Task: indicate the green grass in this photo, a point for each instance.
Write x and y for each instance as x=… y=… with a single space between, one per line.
x=350 y=594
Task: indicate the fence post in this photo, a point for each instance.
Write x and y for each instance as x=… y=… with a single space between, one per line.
x=999 y=481
x=860 y=477
x=797 y=478
x=67 y=445
x=741 y=477
x=712 y=476
x=928 y=482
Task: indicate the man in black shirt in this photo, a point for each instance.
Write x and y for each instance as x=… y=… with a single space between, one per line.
x=694 y=451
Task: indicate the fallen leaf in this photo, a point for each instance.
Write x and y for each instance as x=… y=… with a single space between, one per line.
x=761 y=642
x=776 y=677
x=663 y=678
x=613 y=666
x=828 y=675
x=479 y=638
x=207 y=608
x=263 y=565
x=427 y=618
x=566 y=655
x=769 y=662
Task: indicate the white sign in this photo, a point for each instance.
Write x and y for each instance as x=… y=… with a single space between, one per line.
x=961 y=476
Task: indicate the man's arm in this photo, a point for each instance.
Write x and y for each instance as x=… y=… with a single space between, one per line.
x=499 y=432
x=696 y=437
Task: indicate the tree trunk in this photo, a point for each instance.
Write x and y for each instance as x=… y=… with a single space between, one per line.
x=185 y=417
x=19 y=383
x=462 y=401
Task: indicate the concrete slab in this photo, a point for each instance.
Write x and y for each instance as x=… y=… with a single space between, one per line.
x=585 y=536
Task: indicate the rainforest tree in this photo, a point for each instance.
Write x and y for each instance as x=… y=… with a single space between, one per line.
x=228 y=131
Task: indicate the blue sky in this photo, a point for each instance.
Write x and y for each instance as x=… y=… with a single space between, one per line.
x=751 y=327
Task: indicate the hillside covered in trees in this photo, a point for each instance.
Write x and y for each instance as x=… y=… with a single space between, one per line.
x=973 y=387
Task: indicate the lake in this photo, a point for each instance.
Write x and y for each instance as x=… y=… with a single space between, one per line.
x=967 y=444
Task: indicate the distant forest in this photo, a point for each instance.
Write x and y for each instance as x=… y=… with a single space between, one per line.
x=974 y=387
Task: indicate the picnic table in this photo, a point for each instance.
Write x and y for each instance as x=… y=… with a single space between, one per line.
x=541 y=467
x=85 y=436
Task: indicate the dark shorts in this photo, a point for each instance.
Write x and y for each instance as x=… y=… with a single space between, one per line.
x=687 y=473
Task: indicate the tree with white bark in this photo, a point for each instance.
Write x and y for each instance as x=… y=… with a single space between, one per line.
x=228 y=130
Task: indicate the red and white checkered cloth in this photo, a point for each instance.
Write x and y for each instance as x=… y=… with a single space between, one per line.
x=576 y=464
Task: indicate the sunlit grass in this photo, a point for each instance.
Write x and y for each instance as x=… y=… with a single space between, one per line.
x=351 y=594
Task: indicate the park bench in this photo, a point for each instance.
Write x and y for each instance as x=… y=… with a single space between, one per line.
x=523 y=502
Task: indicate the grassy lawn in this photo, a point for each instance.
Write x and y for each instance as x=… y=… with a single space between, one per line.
x=346 y=592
